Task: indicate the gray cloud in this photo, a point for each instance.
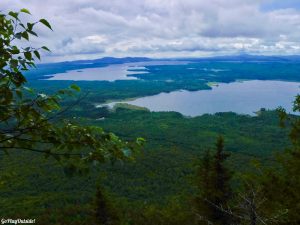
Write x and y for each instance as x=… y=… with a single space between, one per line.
x=163 y=28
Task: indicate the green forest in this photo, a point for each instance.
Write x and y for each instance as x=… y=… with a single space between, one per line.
x=64 y=161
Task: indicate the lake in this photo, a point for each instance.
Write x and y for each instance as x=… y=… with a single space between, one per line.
x=245 y=97
x=111 y=72
x=108 y=73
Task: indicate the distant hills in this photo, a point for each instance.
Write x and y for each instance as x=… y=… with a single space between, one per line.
x=247 y=58
x=111 y=60
x=242 y=57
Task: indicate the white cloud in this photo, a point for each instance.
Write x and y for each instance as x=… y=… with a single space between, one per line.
x=163 y=28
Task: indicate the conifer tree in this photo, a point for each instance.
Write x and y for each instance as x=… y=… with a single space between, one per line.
x=104 y=210
x=204 y=185
x=214 y=187
x=221 y=183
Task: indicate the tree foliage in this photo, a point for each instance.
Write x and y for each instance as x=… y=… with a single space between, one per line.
x=214 y=187
x=32 y=121
x=105 y=214
x=281 y=184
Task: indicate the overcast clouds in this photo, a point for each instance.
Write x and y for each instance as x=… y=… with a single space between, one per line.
x=165 y=28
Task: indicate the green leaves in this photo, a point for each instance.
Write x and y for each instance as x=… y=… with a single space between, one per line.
x=30 y=26
x=37 y=54
x=45 y=48
x=46 y=23
x=14 y=63
x=140 y=141
x=25 y=11
x=75 y=87
x=13 y=14
x=28 y=55
x=25 y=35
x=14 y=50
x=31 y=121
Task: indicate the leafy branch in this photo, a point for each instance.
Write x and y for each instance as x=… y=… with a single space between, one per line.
x=32 y=121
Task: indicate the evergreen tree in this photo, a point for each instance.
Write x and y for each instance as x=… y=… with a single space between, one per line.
x=221 y=183
x=104 y=210
x=214 y=187
x=204 y=185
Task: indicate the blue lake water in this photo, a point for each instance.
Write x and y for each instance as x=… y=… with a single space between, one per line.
x=108 y=73
x=111 y=72
x=244 y=97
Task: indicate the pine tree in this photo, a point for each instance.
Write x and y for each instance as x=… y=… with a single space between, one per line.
x=104 y=211
x=204 y=185
x=221 y=182
x=214 y=187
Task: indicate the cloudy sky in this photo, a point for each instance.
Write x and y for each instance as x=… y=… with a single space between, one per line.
x=87 y=29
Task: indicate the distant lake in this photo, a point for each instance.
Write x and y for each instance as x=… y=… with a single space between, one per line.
x=241 y=97
x=108 y=73
x=111 y=72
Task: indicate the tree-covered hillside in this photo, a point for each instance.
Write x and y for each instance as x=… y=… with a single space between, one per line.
x=162 y=171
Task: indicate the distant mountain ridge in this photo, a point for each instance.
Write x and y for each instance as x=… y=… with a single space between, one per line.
x=247 y=58
x=109 y=60
x=242 y=57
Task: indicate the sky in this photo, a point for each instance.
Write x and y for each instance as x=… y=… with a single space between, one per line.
x=89 y=29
